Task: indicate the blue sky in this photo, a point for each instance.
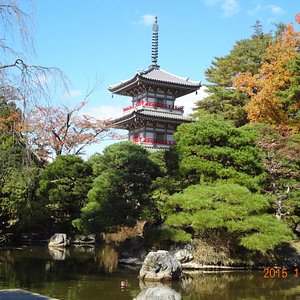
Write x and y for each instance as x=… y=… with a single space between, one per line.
x=106 y=41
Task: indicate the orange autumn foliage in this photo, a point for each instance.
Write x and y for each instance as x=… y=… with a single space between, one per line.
x=273 y=77
x=12 y=122
x=52 y=131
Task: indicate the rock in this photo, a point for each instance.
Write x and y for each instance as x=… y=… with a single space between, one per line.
x=159 y=266
x=183 y=255
x=158 y=293
x=58 y=240
x=85 y=239
x=130 y=261
x=134 y=247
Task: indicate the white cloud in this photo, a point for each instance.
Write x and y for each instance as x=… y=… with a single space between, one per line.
x=276 y=10
x=228 y=7
x=146 y=20
x=72 y=94
x=190 y=100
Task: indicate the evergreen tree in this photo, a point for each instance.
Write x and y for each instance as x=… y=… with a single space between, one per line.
x=18 y=175
x=290 y=97
x=235 y=212
x=211 y=149
x=121 y=190
x=247 y=55
x=63 y=187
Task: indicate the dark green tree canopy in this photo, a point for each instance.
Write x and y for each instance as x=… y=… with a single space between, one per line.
x=224 y=100
x=120 y=192
x=63 y=187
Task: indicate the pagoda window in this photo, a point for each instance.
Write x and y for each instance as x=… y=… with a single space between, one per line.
x=160 y=96
x=160 y=136
x=150 y=135
x=160 y=101
x=170 y=137
x=158 y=130
x=170 y=103
x=151 y=99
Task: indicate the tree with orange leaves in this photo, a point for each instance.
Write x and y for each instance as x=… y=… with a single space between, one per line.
x=52 y=131
x=274 y=76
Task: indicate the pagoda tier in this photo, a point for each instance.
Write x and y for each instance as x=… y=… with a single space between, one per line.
x=152 y=117
x=155 y=78
x=153 y=129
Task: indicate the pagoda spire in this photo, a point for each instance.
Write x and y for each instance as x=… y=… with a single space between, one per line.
x=154 y=54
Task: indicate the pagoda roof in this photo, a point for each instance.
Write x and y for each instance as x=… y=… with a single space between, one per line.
x=150 y=115
x=158 y=77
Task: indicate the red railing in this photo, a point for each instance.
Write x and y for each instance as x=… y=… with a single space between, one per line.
x=152 y=141
x=146 y=103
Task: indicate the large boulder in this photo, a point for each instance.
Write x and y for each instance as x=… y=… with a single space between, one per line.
x=58 y=240
x=160 y=266
x=158 y=293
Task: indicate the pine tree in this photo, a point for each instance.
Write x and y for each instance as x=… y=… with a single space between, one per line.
x=246 y=56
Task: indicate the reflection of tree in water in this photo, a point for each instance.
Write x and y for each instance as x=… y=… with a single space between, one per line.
x=108 y=258
x=7 y=273
x=237 y=285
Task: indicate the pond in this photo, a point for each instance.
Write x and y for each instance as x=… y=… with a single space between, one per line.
x=93 y=273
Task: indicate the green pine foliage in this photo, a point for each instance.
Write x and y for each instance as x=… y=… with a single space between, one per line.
x=211 y=149
x=246 y=56
x=19 y=209
x=120 y=193
x=18 y=177
x=290 y=98
x=169 y=181
x=63 y=187
x=230 y=208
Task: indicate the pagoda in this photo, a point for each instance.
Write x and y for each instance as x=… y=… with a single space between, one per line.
x=152 y=117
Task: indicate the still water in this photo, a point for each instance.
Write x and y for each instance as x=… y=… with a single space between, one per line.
x=90 y=274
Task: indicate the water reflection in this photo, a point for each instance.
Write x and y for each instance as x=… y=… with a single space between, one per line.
x=108 y=258
x=58 y=253
x=89 y=273
x=237 y=285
